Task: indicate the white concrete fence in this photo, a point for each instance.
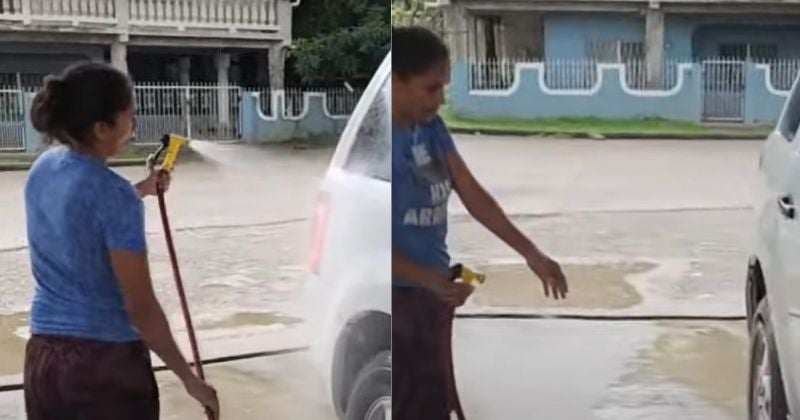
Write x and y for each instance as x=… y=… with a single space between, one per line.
x=232 y=15
x=581 y=74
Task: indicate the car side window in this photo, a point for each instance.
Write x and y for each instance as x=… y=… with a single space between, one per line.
x=371 y=153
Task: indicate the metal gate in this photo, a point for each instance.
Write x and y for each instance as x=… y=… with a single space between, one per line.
x=202 y=112
x=12 y=121
x=723 y=90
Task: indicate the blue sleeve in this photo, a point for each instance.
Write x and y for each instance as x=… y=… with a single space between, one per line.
x=443 y=136
x=122 y=219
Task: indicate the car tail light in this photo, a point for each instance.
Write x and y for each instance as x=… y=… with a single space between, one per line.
x=319 y=231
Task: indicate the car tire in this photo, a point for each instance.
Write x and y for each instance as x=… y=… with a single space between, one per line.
x=766 y=393
x=372 y=390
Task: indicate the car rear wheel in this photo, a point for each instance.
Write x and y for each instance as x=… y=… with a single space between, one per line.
x=371 y=398
x=767 y=398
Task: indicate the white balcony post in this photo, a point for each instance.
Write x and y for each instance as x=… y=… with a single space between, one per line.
x=119 y=56
x=223 y=99
x=26 y=12
x=122 y=12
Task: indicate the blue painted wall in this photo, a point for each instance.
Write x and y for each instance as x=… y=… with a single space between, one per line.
x=566 y=34
x=761 y=105
x=315 y=124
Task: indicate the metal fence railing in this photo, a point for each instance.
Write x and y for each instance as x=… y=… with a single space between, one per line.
x=338 y=101
x=207 y=112
x=723 y=89
x=12 y=120
x=578 y=74
x=202 y=111
x=636 y=76
x=492 y=74
x=783 y=72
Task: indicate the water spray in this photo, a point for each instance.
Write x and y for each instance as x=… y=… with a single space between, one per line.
x=172 y=144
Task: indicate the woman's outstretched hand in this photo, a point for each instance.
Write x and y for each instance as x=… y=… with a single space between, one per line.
x=549 y=272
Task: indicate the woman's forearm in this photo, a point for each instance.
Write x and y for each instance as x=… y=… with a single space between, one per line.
x=485 y=209
x=154 y=329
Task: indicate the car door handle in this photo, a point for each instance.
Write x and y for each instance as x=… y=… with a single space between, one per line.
x=786 y=205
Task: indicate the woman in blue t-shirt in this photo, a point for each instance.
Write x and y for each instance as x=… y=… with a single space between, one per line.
x=94 y=316
x=426 y=168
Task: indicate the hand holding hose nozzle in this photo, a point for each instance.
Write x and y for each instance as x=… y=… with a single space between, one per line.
x=459 y=285
x=195 y=385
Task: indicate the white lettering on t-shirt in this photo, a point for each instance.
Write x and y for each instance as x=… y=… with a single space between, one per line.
x=440 y=192
x=421 y=155
x=426 y=216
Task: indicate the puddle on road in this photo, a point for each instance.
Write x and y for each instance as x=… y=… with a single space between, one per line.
x=242 y=319
x=12 y=346
x=592 y=286
x=286 y=394
x=709 y=360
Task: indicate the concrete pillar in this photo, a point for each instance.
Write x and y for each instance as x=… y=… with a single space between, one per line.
x=654 y=46
x=480 y=37
x=223 y=62
x=119 y=56
x=472 y=38
x=184 y=70
x=456 y=32
x=276 y=67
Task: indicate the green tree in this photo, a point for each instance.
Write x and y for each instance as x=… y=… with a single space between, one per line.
x=338 y=41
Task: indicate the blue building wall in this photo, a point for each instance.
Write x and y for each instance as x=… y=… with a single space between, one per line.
x=566 y=34
x=315 y=123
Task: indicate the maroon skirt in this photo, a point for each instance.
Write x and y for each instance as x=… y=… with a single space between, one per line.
x=77 y=379
x=423 y=383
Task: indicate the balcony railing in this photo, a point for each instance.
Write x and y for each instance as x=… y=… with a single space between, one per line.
x=230 y=15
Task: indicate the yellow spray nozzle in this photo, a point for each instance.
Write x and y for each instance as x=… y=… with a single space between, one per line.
x=472 y=277
x=468 y=275
x=174 y=143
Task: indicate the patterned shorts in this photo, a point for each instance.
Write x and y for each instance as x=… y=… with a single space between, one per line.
x=78 y=379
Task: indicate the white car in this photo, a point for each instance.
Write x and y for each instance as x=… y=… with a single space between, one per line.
x=349 y=295
x=773 y=278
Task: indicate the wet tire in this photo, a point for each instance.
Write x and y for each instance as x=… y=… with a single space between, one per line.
x=766 y=394
x=372 y=390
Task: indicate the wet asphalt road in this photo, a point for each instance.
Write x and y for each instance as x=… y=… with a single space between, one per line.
x=643 y=227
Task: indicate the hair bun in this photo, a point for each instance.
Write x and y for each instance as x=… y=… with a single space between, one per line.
x=44 y=113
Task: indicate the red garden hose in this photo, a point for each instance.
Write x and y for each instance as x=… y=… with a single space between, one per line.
x=176 y=272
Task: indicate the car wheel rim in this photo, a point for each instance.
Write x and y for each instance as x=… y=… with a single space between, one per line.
x=763 y=385
x=381 y=409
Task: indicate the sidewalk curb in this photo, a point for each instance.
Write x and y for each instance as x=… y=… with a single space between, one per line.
x=611 y=136
x=24 y=166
